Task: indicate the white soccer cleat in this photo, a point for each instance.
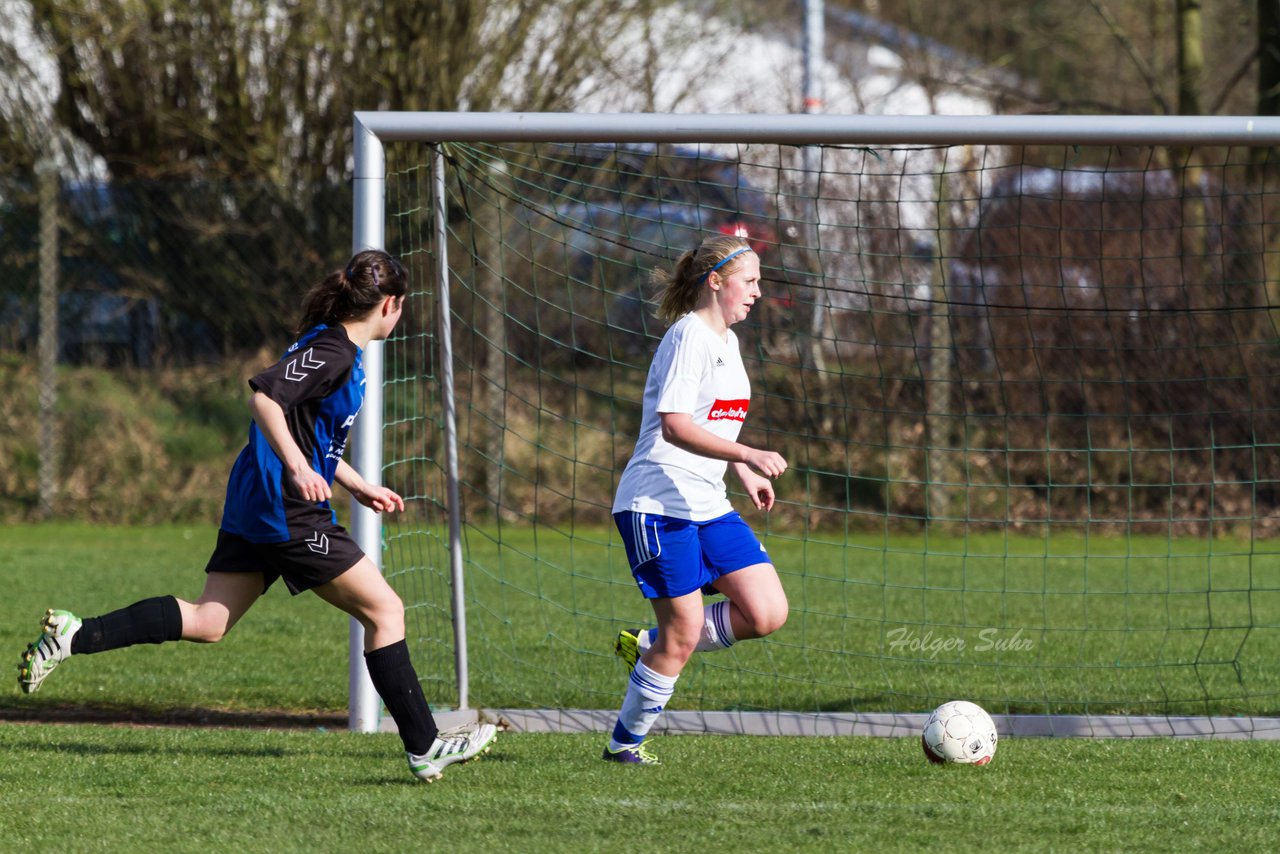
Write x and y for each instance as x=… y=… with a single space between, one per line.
x=456 y=745
x=47 y=651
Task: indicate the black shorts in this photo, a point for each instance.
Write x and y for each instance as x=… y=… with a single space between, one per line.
x=318 y=558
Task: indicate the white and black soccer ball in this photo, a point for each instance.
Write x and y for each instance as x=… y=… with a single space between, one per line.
x=959 y=732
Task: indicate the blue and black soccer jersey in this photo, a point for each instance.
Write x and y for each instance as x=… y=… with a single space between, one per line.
x=319 y=383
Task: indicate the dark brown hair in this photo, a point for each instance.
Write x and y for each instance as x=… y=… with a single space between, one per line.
x=681 y=287
x=369 y=277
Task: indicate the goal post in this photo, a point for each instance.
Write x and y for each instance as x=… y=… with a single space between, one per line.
x=368 y=232
x=1021 y=366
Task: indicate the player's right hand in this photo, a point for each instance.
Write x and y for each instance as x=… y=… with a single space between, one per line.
x=309 y=484
x=767 y=463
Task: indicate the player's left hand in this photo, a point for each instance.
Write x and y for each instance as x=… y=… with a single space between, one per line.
x=760 y=489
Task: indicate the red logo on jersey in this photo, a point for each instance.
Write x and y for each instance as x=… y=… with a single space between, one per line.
x=728 y=410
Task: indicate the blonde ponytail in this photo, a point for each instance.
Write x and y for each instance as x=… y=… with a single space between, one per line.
x=680 y=288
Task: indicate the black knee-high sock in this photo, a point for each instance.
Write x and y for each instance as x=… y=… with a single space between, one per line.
x=396 y=682
x=154 y=620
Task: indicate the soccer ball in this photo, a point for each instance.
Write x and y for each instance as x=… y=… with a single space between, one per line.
x=961 y=732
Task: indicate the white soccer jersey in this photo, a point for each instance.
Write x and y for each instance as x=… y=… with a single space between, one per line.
x=696 y=372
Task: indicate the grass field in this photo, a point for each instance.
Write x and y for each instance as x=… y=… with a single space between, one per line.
x=308 y=785
x=1196 y=631
x=126 y=789
x=288 y=652
x=1140 y=626
x=1063 y=624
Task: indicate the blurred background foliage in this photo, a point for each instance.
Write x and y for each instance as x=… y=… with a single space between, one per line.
x=203 y=153
x=204 y=147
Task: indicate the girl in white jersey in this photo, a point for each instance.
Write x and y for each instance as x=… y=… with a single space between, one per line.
x=683 y=537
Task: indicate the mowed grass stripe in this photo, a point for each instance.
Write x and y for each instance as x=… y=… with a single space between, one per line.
x=191 y=789
x=1103 y=626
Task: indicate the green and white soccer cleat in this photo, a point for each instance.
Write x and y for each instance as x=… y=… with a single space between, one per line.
x=47 y=651
x=627 y=646
x=456 y=745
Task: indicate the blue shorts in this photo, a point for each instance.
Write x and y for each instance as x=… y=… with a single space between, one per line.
x=670 y=557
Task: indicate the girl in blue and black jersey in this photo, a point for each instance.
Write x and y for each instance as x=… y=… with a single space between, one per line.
x=277 y=521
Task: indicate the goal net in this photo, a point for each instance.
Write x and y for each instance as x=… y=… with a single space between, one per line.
x=1023 y=373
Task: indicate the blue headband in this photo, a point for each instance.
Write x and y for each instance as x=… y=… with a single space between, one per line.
x=725 y=260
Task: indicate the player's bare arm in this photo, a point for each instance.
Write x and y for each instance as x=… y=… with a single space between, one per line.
x=377 y=498
x=678 y=429
x=270 y=419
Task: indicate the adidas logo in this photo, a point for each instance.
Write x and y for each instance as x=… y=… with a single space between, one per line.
x=719 y=362
x=652 y=710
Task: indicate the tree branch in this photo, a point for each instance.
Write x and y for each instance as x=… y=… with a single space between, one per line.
x=1144 y=70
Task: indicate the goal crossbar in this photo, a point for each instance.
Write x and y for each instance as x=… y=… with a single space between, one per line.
x=805 y=129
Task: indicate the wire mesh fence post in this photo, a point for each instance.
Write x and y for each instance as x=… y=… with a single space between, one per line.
x=449 y=399
x=47 y=176
x=940 y=381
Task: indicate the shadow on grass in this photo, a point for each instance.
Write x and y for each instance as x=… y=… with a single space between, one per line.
x=88 y=749
x=117 y=713
x=854 y=705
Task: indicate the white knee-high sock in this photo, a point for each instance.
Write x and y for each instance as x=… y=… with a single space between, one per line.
x=717 y=631
x=647 y=694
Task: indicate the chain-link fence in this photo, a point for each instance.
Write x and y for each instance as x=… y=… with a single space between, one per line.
x=152 y=274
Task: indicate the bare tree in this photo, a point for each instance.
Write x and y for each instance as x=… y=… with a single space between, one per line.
x=225 y=129
x=24 y=119
x=1268 y=58
x=1103 y=56
x=182 y=86
x=1190 y=57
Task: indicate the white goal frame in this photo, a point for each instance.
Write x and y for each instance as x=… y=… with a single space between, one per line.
x=372 y=129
